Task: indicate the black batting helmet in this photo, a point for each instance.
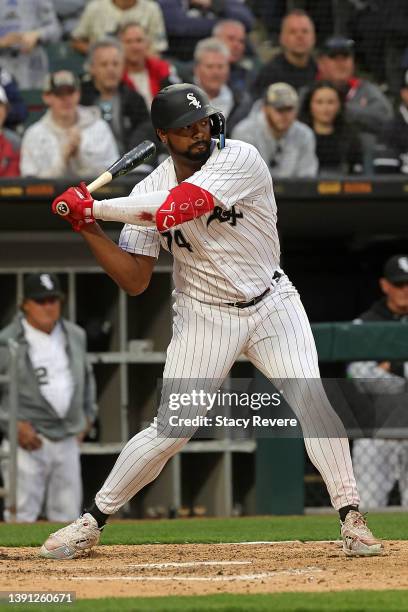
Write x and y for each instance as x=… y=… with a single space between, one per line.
x=182 y=104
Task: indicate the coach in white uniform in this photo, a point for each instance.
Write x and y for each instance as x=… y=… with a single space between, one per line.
x=212 y=206
x=56 y=404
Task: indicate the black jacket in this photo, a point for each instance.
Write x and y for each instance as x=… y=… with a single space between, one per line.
x=279 y=70
x=135 y=120
x=379 y=311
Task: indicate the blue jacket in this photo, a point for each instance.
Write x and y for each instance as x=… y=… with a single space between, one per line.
x=17 y=109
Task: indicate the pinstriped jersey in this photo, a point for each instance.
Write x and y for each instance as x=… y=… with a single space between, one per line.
x=231 y=253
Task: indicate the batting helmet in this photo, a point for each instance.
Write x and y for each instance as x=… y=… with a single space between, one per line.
x=182 y=104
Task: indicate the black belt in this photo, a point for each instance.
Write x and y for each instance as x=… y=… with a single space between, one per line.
x=257 y=299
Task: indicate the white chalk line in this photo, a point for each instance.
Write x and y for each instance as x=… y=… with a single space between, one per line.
x=258 y=542
x=188 y=564
x=236 y=577
x=269 y=542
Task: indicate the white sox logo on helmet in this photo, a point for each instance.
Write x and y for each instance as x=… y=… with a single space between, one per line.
x=403 y=263
x=194 y=101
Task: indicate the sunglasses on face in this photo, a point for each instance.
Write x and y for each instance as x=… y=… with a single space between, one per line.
x=51 y=299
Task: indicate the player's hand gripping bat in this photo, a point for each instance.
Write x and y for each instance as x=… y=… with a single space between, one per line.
x=63 y=204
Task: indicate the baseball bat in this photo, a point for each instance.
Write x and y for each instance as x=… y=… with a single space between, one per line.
x=123 y=165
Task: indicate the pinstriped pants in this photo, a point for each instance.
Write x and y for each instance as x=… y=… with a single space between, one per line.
x=275 y=335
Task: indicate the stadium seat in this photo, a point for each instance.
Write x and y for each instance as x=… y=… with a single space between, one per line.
x=62 y=56
x=35 y=105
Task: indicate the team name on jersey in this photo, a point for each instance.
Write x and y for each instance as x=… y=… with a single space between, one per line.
x=225 y=216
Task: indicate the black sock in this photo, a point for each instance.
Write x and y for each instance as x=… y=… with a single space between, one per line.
x=345 y=510
x=99 y=516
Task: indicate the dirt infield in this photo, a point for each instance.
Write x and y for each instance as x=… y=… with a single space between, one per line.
x=189 y=569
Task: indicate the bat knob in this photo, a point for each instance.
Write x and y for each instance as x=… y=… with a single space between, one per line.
x=62 y=209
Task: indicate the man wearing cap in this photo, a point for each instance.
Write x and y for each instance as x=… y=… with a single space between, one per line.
x=286 y=145
x=56 y=403
x=9 y=142
x=69 y=140
x=366 y=105
x=379 y=463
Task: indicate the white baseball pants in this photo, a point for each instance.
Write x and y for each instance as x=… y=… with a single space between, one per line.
x=48 y=478
x=276 y=337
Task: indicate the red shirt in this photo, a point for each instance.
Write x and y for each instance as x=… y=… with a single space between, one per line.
x=157 y=70
x=9 y=158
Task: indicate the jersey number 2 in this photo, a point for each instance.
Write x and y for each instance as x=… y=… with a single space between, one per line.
x=178 y=239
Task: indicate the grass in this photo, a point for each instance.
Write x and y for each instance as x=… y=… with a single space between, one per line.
x=344 y=601
x=388 y=526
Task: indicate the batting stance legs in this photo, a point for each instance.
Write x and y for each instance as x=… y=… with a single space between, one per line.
x=276 y=337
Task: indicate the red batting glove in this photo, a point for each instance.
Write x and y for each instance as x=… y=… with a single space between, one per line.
x=76 y=206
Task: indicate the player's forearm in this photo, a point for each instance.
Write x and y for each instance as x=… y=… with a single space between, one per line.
x=127 y=271
x=138 y=209
x=161 y=209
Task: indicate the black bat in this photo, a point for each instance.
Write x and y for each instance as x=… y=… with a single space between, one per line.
x=123 y=165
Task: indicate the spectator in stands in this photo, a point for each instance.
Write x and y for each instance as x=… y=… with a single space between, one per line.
x=68 y=13
x=121 y=107
x=69 y=140
x=103 y=17
x=366 y=105
x=295 y=63
x=379 y=463
x=338 y=147
x=144 y=72
x=188 y=21
x=17 y=110
x=9 y=142
x=24 y=28
x=394 y=140
x=56 y=404
x=286 y=145
x=211 y=72
x=242 y=67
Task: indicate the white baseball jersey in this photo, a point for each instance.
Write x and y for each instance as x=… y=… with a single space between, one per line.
x=231 y=253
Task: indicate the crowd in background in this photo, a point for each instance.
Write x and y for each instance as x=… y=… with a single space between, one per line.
x=320 y=88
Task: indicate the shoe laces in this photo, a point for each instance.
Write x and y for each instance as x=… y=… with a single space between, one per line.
x=357 y=521
x=82 y=524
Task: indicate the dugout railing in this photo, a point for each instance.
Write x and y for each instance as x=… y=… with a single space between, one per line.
x=9 y=397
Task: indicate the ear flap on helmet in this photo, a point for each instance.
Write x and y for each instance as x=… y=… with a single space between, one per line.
x=217 y=121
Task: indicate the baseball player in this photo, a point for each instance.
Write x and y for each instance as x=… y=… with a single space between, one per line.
x=211 y=204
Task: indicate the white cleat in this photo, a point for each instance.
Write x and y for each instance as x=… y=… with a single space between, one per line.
x=72 y=540
x=357 y=537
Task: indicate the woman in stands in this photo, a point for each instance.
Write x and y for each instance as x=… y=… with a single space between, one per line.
x=338 y=146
